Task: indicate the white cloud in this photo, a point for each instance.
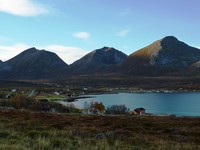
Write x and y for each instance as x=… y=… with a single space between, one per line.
x=125 y=12
x=123 y=33
x=82 y=35
x=67 y=53
x=7 y=52
x=22 y=7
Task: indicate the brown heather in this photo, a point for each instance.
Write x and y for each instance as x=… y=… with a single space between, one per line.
x=22 y=130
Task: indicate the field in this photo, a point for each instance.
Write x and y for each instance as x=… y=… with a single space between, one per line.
x=22 y=130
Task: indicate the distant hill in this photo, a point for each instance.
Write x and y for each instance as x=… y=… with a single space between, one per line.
x=99 y=60
x=35 y=64
x=161 y=57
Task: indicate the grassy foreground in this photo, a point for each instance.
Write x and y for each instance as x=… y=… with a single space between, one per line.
x=23 y=130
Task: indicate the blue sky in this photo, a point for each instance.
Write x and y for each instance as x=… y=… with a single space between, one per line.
x=72 y=28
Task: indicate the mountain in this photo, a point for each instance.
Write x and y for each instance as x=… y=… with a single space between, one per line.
x=1 y=63
x=100 y=60
x=161 y=56
x=35 y=64
x=4 y=66
x=167 y=57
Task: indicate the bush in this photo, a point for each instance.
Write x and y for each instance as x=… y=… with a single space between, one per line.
x=116 y=109
x=64 y=109
x=21 y=101
x=96 y=108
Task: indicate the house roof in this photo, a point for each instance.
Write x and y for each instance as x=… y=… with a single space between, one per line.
x=140 y=109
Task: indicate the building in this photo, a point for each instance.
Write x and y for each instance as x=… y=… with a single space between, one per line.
x=139 y=111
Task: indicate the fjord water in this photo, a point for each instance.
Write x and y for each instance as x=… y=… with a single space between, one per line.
x=180 y=104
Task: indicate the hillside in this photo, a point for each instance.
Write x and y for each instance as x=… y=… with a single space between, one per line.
x=35 y=64
x=161 y=57
x=100 y=60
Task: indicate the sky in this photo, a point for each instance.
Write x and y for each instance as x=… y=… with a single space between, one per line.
x=73 y=28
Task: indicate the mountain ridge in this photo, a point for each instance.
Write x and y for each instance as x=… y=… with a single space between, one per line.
x=166 y=52
x=33 y=63
x=98 y=60
x=165 y=57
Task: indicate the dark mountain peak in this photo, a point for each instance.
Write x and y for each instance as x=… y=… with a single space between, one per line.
x=106 y=55
x=43 y=50
x=171 y=42
x=33 y=53
x=27 y=52
x=32 y=49
x=1 y=61
x=98 y=59
x=34 y=63
x=169 y=39
x=105 y=48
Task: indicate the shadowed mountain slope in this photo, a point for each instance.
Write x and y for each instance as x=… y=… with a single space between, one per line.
x=34 y=64
x=165 y=57
x=104 y=59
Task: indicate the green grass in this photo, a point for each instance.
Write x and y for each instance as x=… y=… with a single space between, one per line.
x=22 y=130
x=52 y=97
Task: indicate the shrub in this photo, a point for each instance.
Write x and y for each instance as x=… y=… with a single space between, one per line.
x=116 y=109
x=96 y=108
x=21 y=101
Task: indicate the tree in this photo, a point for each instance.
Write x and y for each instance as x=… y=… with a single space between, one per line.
x=97 y=108
x=116 y=109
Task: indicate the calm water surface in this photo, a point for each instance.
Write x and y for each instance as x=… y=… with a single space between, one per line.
x=180 y=104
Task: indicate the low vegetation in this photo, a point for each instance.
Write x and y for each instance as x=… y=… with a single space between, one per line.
x=20 y=101
x=22 y=130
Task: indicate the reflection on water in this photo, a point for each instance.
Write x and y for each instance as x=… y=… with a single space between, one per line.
x=180 y=104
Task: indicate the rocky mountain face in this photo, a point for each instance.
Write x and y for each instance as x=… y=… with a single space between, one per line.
x=99 y=60
x=162 y=56
x=35 y=64
x=165 y=57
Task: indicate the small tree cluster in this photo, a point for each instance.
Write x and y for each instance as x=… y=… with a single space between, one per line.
x=116 y=109
x=96 y=108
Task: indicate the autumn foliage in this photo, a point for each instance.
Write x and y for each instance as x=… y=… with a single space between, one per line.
x=21 y=101
x=97 y=108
